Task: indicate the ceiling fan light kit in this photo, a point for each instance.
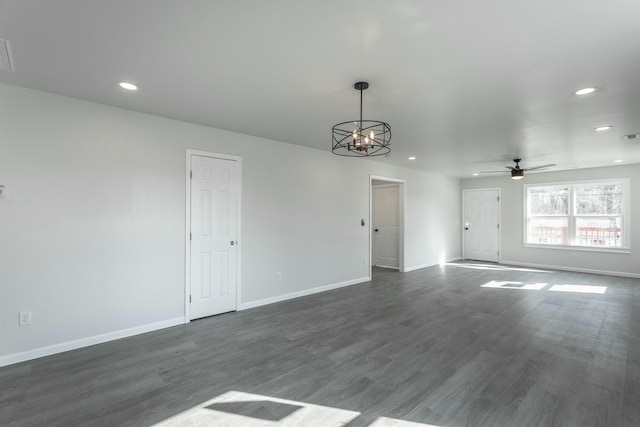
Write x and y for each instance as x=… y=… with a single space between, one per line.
x=361 y=138
x=517 y=174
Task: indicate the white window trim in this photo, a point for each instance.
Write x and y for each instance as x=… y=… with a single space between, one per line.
x=626 y=215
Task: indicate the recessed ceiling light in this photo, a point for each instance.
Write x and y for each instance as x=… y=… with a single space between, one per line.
x=476 y=174
x=617 y=161
x=127 y=86
x=603 y=128
x=412 y=158
x=586 y=90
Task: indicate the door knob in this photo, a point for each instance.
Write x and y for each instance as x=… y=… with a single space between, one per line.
x=376 y=230
x=233 y=243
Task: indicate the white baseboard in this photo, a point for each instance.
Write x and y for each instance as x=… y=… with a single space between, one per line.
x=10 y=359
x=258 y=303
x=564 y=268
x=418 y=267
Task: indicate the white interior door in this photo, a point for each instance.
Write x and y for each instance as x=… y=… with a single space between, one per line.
x=481 y=224
x=214 y=218
x=386 y=226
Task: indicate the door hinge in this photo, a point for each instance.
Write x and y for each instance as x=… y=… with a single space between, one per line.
x=190 y=236
x=498 y=198
x=190 y=174
x=498 y=225
x=189 y=298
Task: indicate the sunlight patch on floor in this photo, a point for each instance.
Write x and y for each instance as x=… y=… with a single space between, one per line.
x=502 y=284
x=584 y=289
x=239 y=409
x=391 y=422
x=494 y=267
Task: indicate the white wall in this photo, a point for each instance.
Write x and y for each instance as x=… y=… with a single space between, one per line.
x=92 y=228
x=513 y=250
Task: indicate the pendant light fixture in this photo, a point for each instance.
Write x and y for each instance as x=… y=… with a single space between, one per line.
x=361 y=138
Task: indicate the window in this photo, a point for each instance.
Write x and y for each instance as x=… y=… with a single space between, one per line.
x=582 y=214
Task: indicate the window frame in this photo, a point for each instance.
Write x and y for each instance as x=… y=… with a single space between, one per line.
x=573 y=216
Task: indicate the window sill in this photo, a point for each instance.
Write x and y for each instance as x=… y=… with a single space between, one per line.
x=580 y=248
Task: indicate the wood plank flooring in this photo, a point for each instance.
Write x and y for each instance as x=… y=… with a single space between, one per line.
x=432 y=347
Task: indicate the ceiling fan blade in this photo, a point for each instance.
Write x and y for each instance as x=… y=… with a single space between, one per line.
x=510 y=168
x=493 y=172
x=540 y=167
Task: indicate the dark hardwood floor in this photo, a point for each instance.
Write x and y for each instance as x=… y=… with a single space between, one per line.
x=432 y=346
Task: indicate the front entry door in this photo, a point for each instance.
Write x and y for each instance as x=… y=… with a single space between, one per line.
x=481 y=224
x=214 y=217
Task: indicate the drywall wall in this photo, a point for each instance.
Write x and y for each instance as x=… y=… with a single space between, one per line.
x=92 y=230
x=512 y=248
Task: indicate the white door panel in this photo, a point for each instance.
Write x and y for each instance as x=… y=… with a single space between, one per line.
x=386 y=220
x=214 y=217
x=481 y=225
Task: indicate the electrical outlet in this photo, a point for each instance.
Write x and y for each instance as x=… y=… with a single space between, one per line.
x=25 y=318
x=279 y=276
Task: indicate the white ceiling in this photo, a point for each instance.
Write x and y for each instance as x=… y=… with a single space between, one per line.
x=465 y=85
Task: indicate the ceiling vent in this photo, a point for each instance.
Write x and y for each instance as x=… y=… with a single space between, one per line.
x=632 y=137
x=5 y=56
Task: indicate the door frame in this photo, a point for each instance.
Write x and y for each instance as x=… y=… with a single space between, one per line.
x=462 y=230
x=373 y=235
x=187 y=234
x=402 y=193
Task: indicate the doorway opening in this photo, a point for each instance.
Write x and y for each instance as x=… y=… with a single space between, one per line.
x=386 y=213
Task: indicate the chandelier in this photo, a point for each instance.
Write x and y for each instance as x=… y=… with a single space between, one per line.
x=361 y=138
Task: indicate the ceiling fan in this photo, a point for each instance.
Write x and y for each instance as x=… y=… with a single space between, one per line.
x=517 y=172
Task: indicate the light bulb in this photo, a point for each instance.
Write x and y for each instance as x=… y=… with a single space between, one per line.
x=366 y=140
x=127 y=86
x=372 y=136
x=585 y=91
